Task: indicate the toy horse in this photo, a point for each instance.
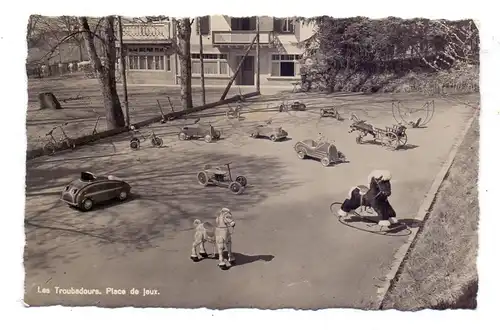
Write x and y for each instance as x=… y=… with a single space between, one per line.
x=375 y=197
x=218 y=234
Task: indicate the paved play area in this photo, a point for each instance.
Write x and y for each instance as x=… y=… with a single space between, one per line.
x=290 y=250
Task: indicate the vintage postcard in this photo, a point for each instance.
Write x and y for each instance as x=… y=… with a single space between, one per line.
x=252 y=162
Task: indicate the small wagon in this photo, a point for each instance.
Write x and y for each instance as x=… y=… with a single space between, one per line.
x=330 y=112
x=392 y=137
x=222 y=178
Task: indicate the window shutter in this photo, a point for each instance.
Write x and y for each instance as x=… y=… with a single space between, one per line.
x=253 y=23
x=204 y=28
x=277 y=25
x=293 y=22
x=275 y=69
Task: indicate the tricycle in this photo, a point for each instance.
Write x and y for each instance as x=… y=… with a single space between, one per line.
x=135 y=141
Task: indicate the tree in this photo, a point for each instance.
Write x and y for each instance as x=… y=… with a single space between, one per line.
x=32 y=35
x=363 y=47
x=456 y=43
x=182 y=47
x=69 y=24
x=104 y=67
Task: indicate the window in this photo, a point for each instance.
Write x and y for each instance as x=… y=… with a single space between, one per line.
x=148 y=58
x=285 y=65
x=203 y=25
x=213 y=64
x=243 y=23
x=284 y=25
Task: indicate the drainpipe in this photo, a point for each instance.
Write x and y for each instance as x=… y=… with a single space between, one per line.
x=258 y=55
x=176 y=57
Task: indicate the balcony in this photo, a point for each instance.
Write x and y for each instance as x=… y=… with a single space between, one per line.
x=146 y=33
x=239 y=38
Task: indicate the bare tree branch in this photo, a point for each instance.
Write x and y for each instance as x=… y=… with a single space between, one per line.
x=66 y=38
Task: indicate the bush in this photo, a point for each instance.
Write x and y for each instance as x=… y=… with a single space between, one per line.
x=392 y=55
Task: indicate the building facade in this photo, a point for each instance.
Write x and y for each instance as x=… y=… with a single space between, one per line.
x=151 y=59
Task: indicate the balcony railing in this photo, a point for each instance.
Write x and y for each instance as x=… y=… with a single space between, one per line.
x=239 y=37
x=146 y=31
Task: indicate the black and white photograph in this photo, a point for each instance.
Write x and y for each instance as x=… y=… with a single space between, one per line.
x=266 y=162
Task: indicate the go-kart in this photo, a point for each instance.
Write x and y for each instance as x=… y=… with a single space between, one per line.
x=221 y=177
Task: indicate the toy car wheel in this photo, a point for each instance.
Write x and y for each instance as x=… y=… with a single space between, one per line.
x=182 y=136
x=123 y=195
x=359 y=140
x=49 y=148
x=203 y=178
x=208 y=138
x=273 y=138
x=325 y=161
x=71 y=144
x=157 y=141
x=281 y=108
x=236 y=188
x=135 y=144
x=301 y=154
x=218 y=134
x=87 y=204
x=254 y=135
x=301 y=106
x=241 y=180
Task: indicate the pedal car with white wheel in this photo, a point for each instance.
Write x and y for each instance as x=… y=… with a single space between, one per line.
x=221 y=177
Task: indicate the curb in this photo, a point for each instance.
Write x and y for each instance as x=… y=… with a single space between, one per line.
x=422 y=214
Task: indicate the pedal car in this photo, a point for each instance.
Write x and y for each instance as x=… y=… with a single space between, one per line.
x=207 y=132
x=325 y=151
x=330 y=112
x=296 y=105
x=273 y=133
x=91 y=189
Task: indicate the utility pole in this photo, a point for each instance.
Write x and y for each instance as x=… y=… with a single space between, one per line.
x=122 y=71
x=258 y=55
x=202 y=66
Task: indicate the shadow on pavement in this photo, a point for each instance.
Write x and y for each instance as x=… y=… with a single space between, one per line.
x=167 y=199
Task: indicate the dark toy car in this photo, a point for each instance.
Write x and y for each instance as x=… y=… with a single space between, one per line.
x=273 y=133
x=207 y=132
x=222 y=178
x=91 y=189
x=296 y=105
x=322 y=150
